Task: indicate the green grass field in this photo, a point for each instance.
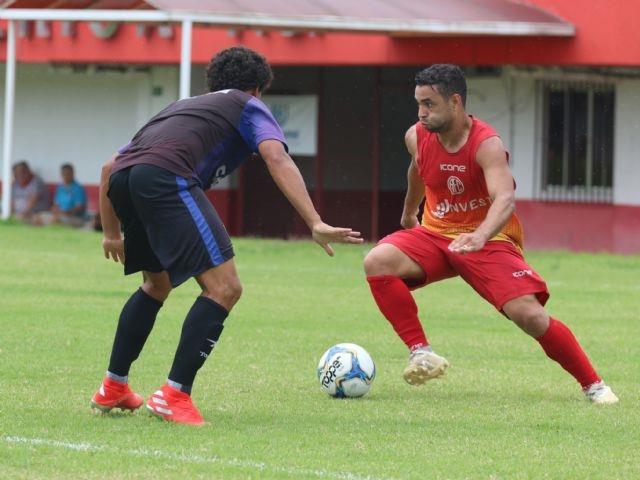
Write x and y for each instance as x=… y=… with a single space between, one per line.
x=503 y=411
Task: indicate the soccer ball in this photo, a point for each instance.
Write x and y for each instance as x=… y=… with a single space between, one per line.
x=346 y=370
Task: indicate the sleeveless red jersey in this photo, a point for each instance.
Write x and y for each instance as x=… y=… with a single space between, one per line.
x=456 y=196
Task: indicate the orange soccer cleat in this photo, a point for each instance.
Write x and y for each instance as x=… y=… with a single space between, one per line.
x=173 y=405
x=112 y=394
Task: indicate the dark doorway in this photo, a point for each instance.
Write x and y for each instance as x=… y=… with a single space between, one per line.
x=266 y=211
x=397 y=113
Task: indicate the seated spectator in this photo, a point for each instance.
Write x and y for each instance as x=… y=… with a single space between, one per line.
x=29 y=195
x=70 y=201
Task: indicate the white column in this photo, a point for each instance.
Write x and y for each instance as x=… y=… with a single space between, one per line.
x=626 y=159
x=9 y=99
x=185 y=59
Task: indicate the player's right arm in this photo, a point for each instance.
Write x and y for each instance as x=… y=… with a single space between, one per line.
x=415 y=186
x=112 y=242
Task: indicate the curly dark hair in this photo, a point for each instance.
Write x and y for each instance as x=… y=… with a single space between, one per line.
x=448 y=79
x=240 y=68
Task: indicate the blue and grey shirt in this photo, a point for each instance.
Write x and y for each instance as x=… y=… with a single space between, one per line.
x=204 y=137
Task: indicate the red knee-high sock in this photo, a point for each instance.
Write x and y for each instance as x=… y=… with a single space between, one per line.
x=562 y=346
x=396 y=303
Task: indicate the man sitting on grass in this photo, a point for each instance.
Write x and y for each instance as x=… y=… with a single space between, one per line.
x=29 y=194
x=70 y=200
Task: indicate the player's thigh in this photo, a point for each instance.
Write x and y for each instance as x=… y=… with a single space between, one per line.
x=221 y=284
x=387 y=259
x=422 y=260
x=499 y=273
x=184 y=230
x=120 y=197
x=139 y=255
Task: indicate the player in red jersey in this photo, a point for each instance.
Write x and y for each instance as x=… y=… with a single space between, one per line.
x=469 y=228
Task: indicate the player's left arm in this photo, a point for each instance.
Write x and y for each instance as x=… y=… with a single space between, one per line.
x=492 y=158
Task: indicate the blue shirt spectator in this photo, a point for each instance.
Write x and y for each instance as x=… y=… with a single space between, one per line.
x=71 y=196
x=70 y=201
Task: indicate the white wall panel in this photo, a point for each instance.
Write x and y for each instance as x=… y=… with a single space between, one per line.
x=82 y=117
x=495 y=100
x=626 y=160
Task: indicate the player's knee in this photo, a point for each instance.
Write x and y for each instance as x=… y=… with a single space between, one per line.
x=226 y=292
x=235 y=290
x=377 y=263
x=533 y=321
x=159 y=291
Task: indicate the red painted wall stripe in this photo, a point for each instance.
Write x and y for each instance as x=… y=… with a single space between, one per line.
x=605 y=35
x=578 y=227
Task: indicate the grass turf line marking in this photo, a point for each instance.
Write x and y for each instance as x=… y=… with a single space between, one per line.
x=160 y=454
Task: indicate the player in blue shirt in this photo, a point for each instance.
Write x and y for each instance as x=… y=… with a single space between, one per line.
x=70 y=200
x=153 y=189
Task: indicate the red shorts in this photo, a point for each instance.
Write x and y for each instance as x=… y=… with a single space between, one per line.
x=498 y=272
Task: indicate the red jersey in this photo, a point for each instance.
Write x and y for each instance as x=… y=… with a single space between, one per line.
x=457 y=200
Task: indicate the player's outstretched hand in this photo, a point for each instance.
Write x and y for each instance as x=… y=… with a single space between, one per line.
x=467 y=242
x=113 y=248
x=324 y=234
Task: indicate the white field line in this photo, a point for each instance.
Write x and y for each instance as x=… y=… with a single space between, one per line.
x=183 y=457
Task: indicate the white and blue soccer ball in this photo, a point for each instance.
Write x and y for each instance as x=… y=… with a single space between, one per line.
x=346 y=370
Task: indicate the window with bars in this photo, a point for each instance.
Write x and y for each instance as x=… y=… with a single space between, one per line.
x=577 y=155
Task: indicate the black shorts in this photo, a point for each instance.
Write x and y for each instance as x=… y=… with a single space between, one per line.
x=168 y=223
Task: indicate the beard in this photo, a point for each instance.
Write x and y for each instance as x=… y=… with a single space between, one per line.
x=437 y=128
x=441 y=127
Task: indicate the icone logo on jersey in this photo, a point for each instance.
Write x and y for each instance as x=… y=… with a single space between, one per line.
x=522 y=273
x=450 y=167
x=456 y=187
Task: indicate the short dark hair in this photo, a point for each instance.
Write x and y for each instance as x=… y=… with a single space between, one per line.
x=66 y=166
x=448 y=78
x=240 y=68
x=21 y=163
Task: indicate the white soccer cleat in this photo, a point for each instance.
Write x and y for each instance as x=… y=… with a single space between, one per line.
x=601 y=394
x=424 y=365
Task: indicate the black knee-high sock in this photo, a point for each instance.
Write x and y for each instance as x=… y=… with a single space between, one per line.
x=136 y=321
x=200 y=332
